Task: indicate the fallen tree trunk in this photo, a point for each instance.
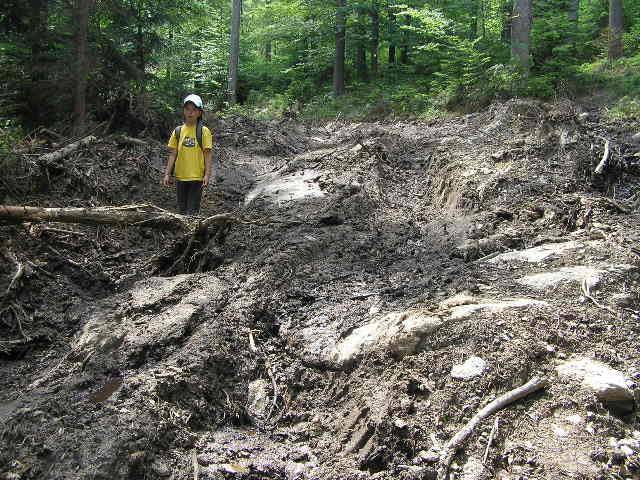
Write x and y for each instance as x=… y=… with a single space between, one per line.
x=131 y=215
x=51 y=157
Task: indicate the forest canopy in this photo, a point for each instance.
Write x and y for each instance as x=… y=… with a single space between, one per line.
x=127 y=63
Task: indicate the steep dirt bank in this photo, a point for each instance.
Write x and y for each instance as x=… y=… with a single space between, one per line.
x=324 y=338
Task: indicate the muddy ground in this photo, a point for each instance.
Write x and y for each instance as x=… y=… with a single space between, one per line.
x=386 y=281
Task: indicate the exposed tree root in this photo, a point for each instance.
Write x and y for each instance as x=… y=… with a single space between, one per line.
x=452 y=446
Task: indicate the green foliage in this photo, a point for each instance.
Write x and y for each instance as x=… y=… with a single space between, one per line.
x=146 y=55
x=11 y=135
x=626 y=109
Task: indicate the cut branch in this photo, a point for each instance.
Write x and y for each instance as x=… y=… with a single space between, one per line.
x=452 y=446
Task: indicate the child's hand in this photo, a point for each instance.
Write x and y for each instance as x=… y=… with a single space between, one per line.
x=166 y=181
x=205 y=181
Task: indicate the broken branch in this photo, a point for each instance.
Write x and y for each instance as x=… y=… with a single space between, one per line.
x=51 y=157
x=502 y=401
x=605 y=158
x=16 y=277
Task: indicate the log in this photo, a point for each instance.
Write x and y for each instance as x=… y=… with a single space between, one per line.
x=51 y=157
x=143 y=215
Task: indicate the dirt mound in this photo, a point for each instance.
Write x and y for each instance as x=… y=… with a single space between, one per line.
x=386 y=283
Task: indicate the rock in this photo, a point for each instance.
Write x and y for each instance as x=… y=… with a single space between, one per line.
x=623 y=300
x=276 y=188
x=636 y=138
x=542 y=281
x=609 y=385
x=579 y=273
x=465 y=311
x=462 y=298
x=583 y=117
x=536 y=254
x=258 y=400
x=474 y=470
x=151 y=291
x=428 y=456
x=296 y=471
x=399 y=333
x=472 y=367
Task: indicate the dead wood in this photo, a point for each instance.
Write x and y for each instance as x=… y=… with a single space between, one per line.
x=143 y=215
x=51 y=157
x=452 y=446
x=132 y=141
x=17 y=276
x=605 y=158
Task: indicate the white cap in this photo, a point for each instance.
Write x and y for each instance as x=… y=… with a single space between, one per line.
x=195 y=99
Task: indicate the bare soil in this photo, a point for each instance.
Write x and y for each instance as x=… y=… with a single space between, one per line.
x=256 y=360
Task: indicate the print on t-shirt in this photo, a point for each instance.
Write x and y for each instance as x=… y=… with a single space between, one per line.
x=189 y=142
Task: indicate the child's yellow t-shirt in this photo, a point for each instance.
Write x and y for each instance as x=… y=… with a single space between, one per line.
x=190 y=160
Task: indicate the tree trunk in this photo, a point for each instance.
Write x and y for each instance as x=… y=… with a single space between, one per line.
x=473 y=19
x=392 y=37
x=234 y=51
x=480 y=19
x=574 y=9
x=375 y=35
x=267 y=46
x=615 y=29
x=140 y=37
x=131 y=215
x=361 y=45
x=572 y=15
x=520 y=34
x=404 y=50
x=37 y=39
x=82 y=65
x=507 y=14
x=338 y=69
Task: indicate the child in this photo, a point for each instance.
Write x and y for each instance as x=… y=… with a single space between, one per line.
x=191 y=156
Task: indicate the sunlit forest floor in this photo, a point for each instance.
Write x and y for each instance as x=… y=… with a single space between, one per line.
x=386 y=281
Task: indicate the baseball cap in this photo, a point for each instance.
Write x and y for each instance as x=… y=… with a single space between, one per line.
x=195 y=99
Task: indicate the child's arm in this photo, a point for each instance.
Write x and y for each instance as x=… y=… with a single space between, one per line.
x=171 y=159
x=207 y=167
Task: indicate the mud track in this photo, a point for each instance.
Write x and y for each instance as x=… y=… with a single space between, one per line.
x=392 y=280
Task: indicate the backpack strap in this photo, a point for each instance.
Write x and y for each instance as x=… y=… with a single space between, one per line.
x=198 y=135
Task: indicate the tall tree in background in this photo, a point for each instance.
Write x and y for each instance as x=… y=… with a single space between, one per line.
x=404 y=48
x=37 y=39
x=361 y=40
x=507 y=14
x=268 y=44
x=615 y=29
x=234 y=53
x=338 y=67
x=393 y=27
x=81 y=14
x=521 y=33
x=374 y=12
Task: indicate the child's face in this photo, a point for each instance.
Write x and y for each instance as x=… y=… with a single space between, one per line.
x=191 y=113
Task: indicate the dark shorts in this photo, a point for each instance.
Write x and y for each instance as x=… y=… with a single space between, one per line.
x=189 y=196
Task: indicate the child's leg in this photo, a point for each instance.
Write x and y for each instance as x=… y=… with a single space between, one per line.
x=194 y=197
x=182 y=192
